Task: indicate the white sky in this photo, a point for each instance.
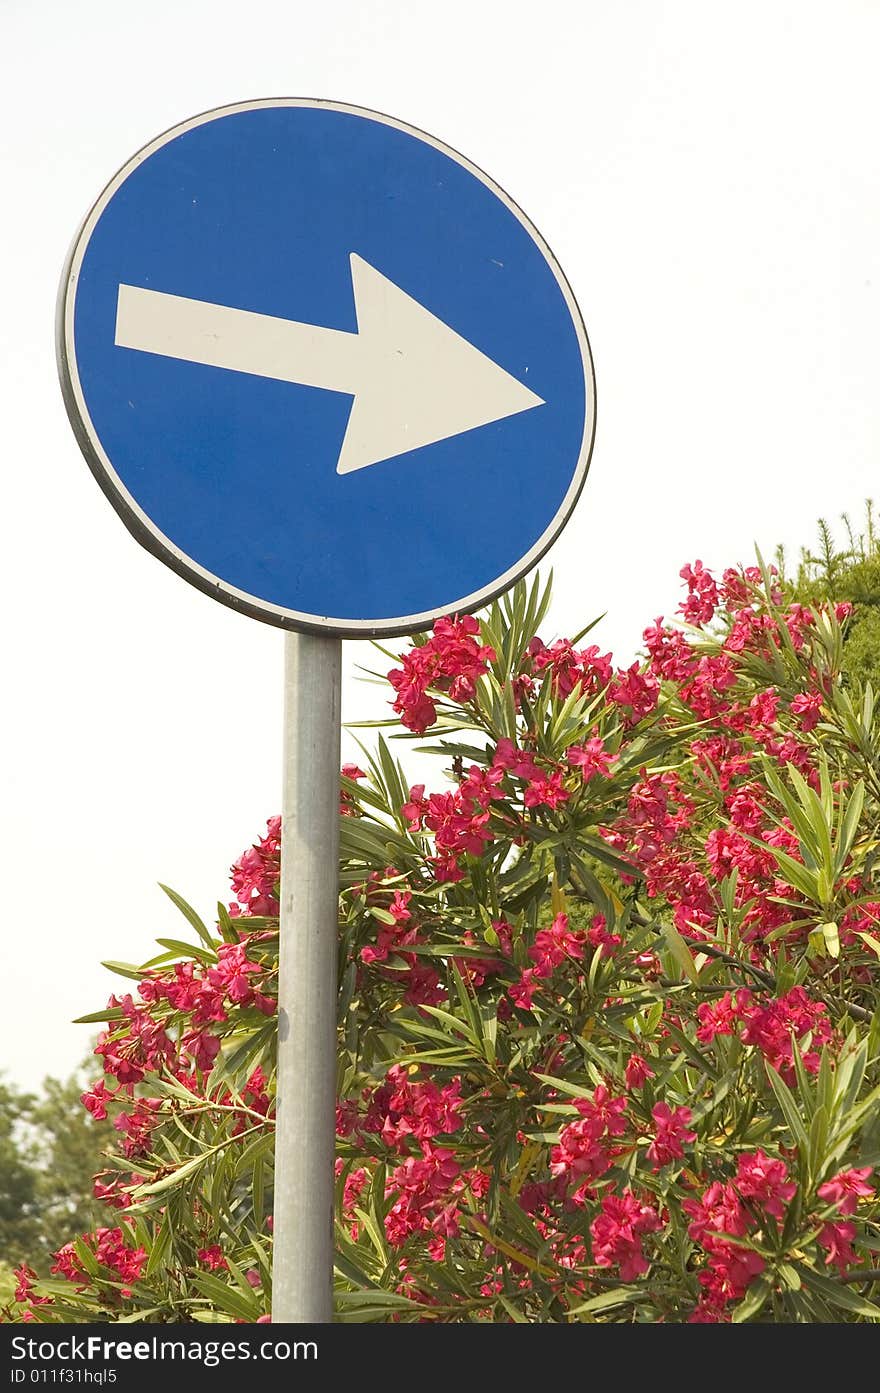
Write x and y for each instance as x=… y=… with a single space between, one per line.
x=708 y=178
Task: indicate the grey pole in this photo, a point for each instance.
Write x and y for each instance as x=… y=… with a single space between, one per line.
x=306 y=1100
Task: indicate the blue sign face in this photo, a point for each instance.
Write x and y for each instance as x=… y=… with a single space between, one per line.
x=325 y=368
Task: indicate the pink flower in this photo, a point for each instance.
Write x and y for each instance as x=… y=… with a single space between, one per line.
x=846 y=1188
x=639 y=691
x=599 y=937
x=591 y=758
x=837 y=1240
x=637 y=1072
x=138 y=1125
x=579 y=1156
x=553 y=946
x=96 y=1099
x=604 y=1111
x=671 y=1132
x=424 y=1190
x=414 y=810
x=546 y=791
x=730 y=1269
x=446 y=869
x=764 y=1180
x=112 y=1194
x=671 y=656
x=203 y=1046
x=451 y=660
x=232 y=972
x=67 y=1263
x=617 y=1230
x=771 y=1028
x=24 y=1289
x=716 y=1018
x=513 y=761
x=212 y=1258
x=423 y=986
x=482 y=786
x=112 y=1250
x=808 y=706
x=585 y=668
x=582 y=1152
x=522 y=992
x=347 y=803
x=699 y=607
x=404 y=1107
x=456 y=825
x=256 y=873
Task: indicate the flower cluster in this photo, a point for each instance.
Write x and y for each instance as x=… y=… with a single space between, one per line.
x=27 y=1294
x=604 y=1000
x=586 y=671
x=774 y=1026
x=257 y=873
x=585 y=1149
x=552 y=947
x=405 y=1107
x=452 y=661
x=618 y=1231
x=113 y=1249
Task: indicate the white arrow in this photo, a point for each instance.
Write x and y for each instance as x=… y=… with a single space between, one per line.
x=414 y=380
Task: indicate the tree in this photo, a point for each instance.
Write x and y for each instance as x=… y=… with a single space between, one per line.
x=50 y=1151
x=607 y=1011
x=68 y=1153
x=852 y=575
x=19 y=1224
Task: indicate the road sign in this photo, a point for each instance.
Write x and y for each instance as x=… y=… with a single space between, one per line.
x=325 y=368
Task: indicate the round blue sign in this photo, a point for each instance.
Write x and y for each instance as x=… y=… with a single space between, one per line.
x=325 y=368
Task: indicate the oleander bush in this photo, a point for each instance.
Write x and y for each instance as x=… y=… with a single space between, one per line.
x=608 y=1025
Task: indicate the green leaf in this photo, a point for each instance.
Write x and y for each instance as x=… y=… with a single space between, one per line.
x=378 y=1300
x=790 y=1276
x=466 y=1001
x=849 y=827
x=161 y=1246
x=693 y=1051
x=188 y=950
x=515 y=1314
x=752 y=1302
x=796 y=874
x=349 y=1269
x=110 y=1013
x=192 y=918
x=790 y=1111
x=168 y=1182
x=383 y=916
x=680 y=952
x=607 y=1300
x=837 y=1294
x=227 y=1297
x=257 y=1193
x=130 y=970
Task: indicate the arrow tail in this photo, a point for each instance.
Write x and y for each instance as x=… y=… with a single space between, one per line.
x=217 y=336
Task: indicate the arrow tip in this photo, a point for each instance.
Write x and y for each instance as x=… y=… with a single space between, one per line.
x=421 y=381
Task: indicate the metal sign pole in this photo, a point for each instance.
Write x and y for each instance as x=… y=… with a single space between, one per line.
x=306 y=1097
